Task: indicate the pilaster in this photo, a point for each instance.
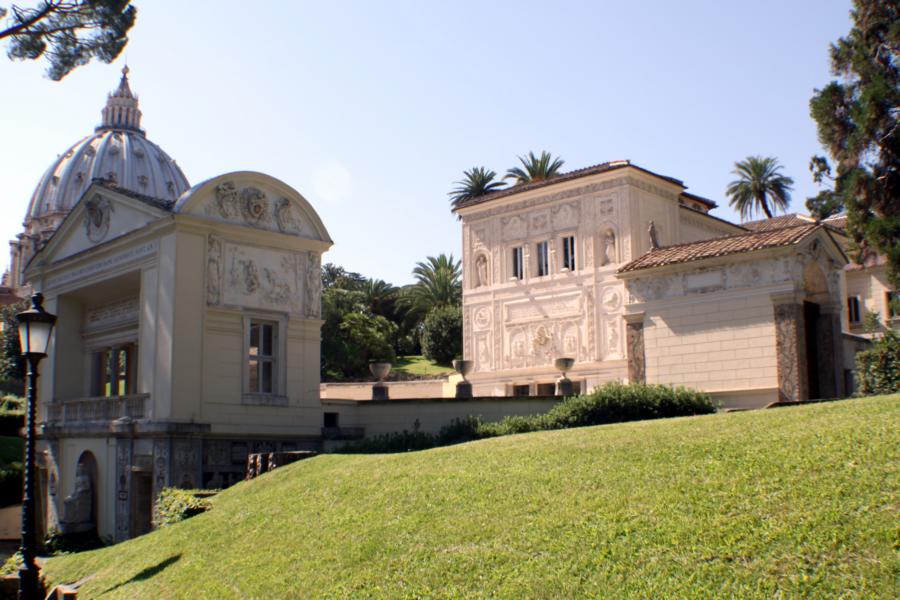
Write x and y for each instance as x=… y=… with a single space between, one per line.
x=634 y=338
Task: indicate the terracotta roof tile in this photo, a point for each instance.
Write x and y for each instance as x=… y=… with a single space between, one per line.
x=732 y=244
x=781 y=222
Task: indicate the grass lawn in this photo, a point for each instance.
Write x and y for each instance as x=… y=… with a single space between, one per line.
x=792 y=502
x=420 y=366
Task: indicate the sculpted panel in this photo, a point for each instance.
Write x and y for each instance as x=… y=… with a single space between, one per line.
x=266 y=279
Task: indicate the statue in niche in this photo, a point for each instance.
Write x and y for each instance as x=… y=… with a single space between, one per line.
x=481 y=270
x=608 y=248
x=78 y=507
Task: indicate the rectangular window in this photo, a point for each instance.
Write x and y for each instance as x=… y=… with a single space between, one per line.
x=114 y=371
x=520 y=390
x=893 y=304
x=568 y=244
x=518 y=264
x=546 y=389
x=261 y=357
x=543 y=259
x=853 y=309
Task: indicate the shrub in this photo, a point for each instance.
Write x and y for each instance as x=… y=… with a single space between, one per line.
x=442 y=334
x=878 y=368
x=58 y=542
x=174 y=505
x=610 y=403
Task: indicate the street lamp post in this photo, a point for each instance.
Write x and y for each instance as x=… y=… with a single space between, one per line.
x=35 y=327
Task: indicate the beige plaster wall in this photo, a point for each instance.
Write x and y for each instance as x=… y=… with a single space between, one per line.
x=430 y=415
x=871 y=286
x=715 y=344
x=432 y=388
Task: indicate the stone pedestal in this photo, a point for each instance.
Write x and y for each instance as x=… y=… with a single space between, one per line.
x=564 y=387
x=380 y=392
x=463 y=389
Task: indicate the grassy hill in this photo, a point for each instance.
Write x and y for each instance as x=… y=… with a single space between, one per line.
x=795 y=501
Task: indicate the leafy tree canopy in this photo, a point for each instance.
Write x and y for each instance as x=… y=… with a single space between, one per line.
x=857 y=118
x=68 y=33
x=760 y=186
x=438 y=283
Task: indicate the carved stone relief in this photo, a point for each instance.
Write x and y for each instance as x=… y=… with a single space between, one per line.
x=252 y=206
x=214 y=270
x=514 y=227
x=113 y=314
x=637 y=372
x=482 y=317
x=268 y=279
x=566 y=215
x=313 y=288
x=540 y=223
x=790 y=351
x=97 y=215
x=483 y=351
x=607 y=247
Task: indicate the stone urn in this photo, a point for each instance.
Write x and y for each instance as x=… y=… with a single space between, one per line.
x=380 y=370
x=464 y=367
x=564 y=384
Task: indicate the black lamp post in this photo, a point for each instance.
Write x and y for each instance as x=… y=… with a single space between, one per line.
x=35 y=327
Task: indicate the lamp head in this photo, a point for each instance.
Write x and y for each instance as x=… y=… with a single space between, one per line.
x=35 y=327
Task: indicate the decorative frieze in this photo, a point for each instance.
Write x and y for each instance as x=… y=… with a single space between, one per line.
x=114 y=314
x=637 y=361
x=251 y=206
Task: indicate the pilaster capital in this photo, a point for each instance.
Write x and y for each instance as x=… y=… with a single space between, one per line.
x=634 y=317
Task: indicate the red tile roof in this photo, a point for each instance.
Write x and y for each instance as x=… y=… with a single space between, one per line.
x=781 y=222
x=732 y=244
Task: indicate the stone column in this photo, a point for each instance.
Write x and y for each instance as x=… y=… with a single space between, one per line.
x=790 y=347
x=634 y=339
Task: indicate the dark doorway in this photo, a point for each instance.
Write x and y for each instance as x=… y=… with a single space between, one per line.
x=811 y=327
x=141 y=503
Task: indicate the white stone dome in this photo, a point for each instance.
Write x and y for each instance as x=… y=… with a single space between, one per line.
x=117 y=152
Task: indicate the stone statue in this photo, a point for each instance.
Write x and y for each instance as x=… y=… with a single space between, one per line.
x=608 y=249
x=313 y=288
x=214 y=271
x=481 y=271
x=78 y=508
x=654 y=236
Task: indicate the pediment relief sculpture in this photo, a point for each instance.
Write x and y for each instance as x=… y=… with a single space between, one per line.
x=97 y=213
x=252 y=206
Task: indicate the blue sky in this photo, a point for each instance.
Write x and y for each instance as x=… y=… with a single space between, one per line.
x=372 y=110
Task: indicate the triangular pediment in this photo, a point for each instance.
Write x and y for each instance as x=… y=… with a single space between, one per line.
x=102 y=215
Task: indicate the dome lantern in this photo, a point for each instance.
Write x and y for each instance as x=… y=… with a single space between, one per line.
x=121 y=110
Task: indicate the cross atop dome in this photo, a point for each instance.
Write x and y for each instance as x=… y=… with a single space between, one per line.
x=121 y=110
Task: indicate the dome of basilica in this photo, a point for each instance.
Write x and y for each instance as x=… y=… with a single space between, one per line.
x=117 y=152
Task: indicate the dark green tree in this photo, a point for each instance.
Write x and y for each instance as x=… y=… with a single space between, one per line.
x=535 y=168
x=352 y=335
x=477 y=181
x=827 y=202
x=857 y=117
x=12 y=363
x=69 y=33
x=760 y=186
x=442 y=334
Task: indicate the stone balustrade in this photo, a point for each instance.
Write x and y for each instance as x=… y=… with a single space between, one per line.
x=105 y=408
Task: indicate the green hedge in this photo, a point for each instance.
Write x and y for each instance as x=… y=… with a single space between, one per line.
x=610 y=403
x=174 y=505
x=878 y=368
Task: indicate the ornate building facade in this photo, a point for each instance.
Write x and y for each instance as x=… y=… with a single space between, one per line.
x=189 y=324
x=624 y=271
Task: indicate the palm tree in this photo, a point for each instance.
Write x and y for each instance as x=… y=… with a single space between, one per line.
x=380 y=297
x=760 y=186
x=535 y=169
x=438 y=283
x=477 y=181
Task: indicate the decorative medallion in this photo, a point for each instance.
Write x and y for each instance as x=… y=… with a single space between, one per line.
x=97 y=217
x=284 y=217
x=482 y=317
x=253 y=204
